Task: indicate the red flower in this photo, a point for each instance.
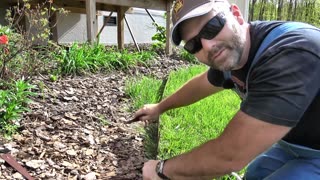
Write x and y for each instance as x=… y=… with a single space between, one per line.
x=4 y=39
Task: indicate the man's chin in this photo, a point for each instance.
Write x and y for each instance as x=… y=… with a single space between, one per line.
x=222 y=67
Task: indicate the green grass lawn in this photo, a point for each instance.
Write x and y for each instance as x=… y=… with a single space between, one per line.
x=185 y=128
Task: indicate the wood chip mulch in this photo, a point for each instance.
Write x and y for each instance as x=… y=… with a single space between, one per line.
x=76 y=130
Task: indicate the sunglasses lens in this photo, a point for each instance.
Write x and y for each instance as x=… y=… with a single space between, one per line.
x=193 y=46
x=213 y=27
x=209 y=31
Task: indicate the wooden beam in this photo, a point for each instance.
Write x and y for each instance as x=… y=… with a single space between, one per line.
x=146 y=4
x=82 y=9
x=168 y=49
x=91 y=20
x=75 y=10
x=120 y=15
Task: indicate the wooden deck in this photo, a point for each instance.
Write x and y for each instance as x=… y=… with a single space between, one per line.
x=121 y=7
x=90 y=7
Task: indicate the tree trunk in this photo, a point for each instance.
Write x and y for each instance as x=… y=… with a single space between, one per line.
x=289 y=17
x=262 y=10
x=294 y=14
x=280 y=7
x=253 y=3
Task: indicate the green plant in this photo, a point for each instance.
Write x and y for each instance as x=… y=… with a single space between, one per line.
x=161 y=33
x=42 y=88
x=72 y=61
x=159 y=37
x=13 y=102
x=9 y=50
x=53 y=78
x=103 y=120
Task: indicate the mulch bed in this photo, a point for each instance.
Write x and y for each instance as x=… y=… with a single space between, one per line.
x=76 y=129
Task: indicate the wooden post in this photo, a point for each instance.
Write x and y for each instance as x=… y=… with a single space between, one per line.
x=120 y=15
x=54 y=28
x=91 y=20
x=168 y=28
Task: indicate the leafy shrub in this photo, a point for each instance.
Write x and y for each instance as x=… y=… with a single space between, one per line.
x=159 y=37
x=27 y=52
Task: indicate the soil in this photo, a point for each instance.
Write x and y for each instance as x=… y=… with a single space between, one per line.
x=76 y=130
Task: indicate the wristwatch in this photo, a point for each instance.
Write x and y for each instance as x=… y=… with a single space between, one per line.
x=159 y=170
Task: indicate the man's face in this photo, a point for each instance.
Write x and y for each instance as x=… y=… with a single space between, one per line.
x=223 y=50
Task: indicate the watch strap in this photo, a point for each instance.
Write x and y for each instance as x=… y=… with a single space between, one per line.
x=159 y=170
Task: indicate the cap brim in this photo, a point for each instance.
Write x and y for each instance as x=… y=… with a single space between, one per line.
x=199 y=11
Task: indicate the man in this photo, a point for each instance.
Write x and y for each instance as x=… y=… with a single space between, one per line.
x=278 y=123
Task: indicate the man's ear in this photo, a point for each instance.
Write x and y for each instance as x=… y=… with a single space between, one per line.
x=237 y=13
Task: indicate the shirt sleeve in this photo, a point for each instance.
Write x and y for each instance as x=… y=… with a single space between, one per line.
x=282 y=86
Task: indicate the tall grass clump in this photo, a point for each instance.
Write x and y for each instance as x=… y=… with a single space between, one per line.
x=185 y=128
x=80 y=58
x=14 y=98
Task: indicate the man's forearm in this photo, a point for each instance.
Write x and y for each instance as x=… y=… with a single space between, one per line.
x=205 y=162
x=243 y=139
x=191 y=92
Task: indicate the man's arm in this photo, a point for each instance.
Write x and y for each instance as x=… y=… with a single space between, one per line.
x=243 y=139
x=194 y=90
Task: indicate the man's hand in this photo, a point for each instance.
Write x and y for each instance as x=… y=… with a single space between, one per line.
x=149 y=170
x=148 y=113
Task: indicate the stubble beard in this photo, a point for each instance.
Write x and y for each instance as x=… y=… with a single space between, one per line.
x=232 y=61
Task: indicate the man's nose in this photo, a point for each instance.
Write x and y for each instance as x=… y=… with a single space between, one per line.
x=207 y=44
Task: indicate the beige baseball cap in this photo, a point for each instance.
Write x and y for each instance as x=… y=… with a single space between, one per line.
x=186 y=9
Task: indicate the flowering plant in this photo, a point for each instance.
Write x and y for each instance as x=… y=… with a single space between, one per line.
x=4 y=39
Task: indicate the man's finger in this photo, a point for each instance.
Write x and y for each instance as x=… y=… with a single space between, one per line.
x=135 y=119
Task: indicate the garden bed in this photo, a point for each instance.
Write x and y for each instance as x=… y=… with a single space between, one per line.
x=76 y=131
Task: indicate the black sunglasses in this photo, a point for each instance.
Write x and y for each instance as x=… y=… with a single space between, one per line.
x=209 y=31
